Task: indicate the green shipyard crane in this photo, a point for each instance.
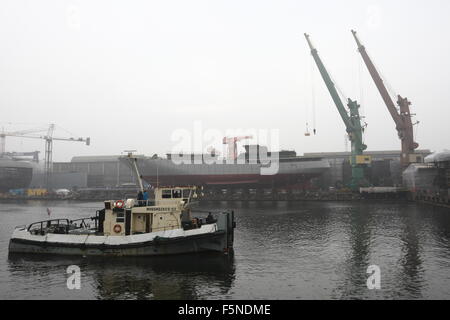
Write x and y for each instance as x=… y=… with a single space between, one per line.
x=352 y=123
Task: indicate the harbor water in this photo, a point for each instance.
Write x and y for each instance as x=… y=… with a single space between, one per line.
x=283 y=250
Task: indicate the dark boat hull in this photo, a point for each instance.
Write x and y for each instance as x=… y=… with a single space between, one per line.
x=201 y=243
x=216 y=237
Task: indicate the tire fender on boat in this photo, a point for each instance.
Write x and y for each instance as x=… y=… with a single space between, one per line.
x=117 y=228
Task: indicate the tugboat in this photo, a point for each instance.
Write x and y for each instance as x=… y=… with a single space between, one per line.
x=162 y=226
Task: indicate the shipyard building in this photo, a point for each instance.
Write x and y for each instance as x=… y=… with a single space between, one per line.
x=385 y=169
x=94 y=171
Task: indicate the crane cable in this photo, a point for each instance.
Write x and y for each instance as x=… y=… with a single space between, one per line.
x=394 y=97
x=361 y=87
x=388 y=86
x=415 y=134
x=67 y=131
x=341 y=92
x=361 y=98
x=307 y=118
x=313 y=95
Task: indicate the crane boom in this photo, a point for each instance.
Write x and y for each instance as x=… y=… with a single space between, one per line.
x=352 y=121
x=87 y=140
x=402 y=119
x=330 y=84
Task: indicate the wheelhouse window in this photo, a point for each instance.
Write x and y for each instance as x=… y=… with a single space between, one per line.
x=120 y=217
x=186 y=193
x=176 y=193
x=166 y=193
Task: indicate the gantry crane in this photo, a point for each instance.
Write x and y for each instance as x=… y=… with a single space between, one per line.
x=352 y=123
x=402 y=117
x=48 y=145
x=232 y=145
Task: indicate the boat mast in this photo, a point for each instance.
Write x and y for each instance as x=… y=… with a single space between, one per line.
x=134 y=167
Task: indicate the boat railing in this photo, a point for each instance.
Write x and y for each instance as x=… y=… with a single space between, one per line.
x=47 y=226
x=196 y=223
x=144 y=203
x=82 y=223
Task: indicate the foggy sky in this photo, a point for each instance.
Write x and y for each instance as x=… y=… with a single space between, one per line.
x=130 y=73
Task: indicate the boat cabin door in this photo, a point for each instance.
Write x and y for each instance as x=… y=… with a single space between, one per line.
x=148 y=222
x=127 y=222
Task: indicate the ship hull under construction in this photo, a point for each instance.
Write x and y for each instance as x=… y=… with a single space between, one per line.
x=287 y=173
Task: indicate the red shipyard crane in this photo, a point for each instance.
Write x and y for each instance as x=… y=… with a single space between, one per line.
x=232 y=145
x=401 y=117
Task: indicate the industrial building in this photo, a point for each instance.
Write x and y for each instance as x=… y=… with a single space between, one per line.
x=100 y=171
x=385 y=169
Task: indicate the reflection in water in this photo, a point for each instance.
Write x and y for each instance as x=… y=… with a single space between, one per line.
x=283 y=250
x=358 y=257
x=170 y=277
x=410 y=276
x=177 y=277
